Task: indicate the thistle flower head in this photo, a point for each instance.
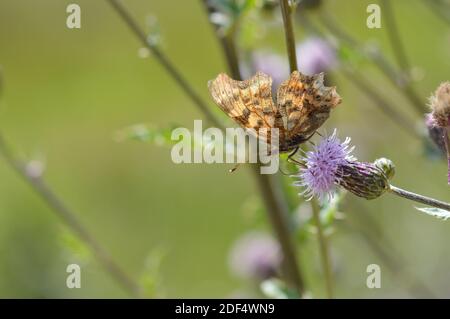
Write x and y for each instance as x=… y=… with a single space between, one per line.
x=440 y=106
x=331 y=164
x=319 y=176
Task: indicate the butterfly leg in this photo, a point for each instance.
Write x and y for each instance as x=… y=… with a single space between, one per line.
x=290 y=158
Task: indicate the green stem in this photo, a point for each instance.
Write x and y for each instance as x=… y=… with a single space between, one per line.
x=70 y=219
x=271 y=200
x=372 y=233
x=391 y=112
x=419 y=198
x=164 y=62
x=324 y=250
x=400 y=54
x=386 y=68
x=292 y=56
x=362 y=83
x=269 y=188
x=289 y=34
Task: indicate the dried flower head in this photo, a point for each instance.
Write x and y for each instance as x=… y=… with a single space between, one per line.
x=440 y=105
x=436 y=133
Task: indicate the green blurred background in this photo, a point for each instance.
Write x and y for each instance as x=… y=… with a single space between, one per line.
x=68 y=92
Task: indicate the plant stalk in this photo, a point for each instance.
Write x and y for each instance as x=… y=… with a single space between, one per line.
x=419 y=198
x=70 y=219
x=324 y=250
x=269 y=187
x=286 y=12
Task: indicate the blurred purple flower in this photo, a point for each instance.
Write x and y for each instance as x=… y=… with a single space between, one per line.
x=315 y=55
x=271 y=63
x=255 y=256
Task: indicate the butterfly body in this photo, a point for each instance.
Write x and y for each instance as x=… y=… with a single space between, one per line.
x=303 y=104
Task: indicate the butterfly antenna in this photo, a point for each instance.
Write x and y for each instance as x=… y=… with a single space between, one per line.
x=232 y=170
x=290 y=156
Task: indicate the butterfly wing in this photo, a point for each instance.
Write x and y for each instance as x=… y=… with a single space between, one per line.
x=249 y=103
x=304 y=104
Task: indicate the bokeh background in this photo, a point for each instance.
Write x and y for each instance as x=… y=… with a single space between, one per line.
x=66 y=93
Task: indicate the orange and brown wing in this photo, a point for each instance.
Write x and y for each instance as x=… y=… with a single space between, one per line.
x=304 y=104
x=249 y=103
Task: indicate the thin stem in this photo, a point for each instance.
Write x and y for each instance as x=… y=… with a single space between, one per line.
x=269 y=196
x=286 y=13
x=362 y=84
x=394 y=36
x=278 y=214
x=379 y=60
x=400 y=52
x=70 y=219
x=439 y=9
x=164 y=61
x=293 y=66
x=324 y=251
x=269 y=187
x=419 y=198
x=372 y=233
x=447 y=149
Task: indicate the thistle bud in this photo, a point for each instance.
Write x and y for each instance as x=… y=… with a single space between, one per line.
x=365 y=180
x=440 y=105
x=386 y=165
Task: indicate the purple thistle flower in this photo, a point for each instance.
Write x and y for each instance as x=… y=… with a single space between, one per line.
x=331 y=163
x=320 y=174
x=255 y=256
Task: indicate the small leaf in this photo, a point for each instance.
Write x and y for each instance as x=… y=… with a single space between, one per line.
x=436 y=212
x=148 y=133
x=276 y=289
x=150 y=278
x=73 y=248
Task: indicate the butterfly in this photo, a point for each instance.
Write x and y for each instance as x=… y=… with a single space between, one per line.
x=303 y=103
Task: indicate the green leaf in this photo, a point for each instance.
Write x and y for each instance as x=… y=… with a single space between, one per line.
x=73 y=247
x=436 y=212
x=330 y=209
x=148 y=133
x=150 y=278
x=276 y=289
